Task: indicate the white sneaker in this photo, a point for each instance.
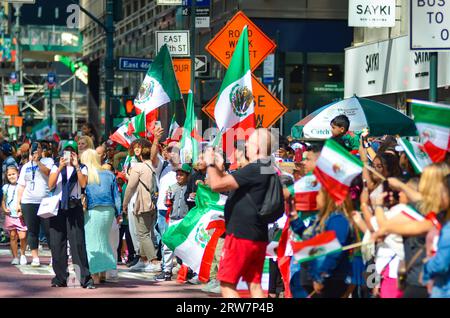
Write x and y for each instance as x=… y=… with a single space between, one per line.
x=15 y=261
x=150 y=268
x=35 y=262
x=23 y=260
x=139 y=267
x=194 y=280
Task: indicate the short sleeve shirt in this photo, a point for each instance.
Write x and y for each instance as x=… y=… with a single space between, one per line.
x=10 y=195
x=34 y=181
x=76 y=191
x=241 y=216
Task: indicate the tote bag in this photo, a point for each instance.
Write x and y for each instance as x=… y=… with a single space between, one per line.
x=49 y=206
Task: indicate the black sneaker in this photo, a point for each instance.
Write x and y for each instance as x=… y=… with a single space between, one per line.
x=163 y=277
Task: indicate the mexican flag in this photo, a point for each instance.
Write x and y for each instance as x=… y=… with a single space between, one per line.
x=43 y=130
x=129 y=130
x=335 y=170
x=407 y=211
x=175 y=131
x=235 y=105
x=433 y=123
x=418 y=158
x=305 y=192
x=194 y=239
x=189 y=142
x=159 y=87
x=320 y=245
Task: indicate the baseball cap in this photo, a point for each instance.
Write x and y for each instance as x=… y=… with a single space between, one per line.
x=6 y=148
x=71 y=143
x=185 y=167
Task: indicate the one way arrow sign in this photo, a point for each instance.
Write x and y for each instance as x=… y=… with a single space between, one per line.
x=201 y=63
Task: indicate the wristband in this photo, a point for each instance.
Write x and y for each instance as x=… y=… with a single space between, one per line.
x=432 y=217
x=211 y=165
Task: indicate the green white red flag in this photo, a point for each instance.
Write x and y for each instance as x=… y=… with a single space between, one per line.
x=175 y=131
x=235 y=105
x=159 y=87
x=320 y=245
x=433 y=123
x=129 y=130
x=305 y=192
x=335 y=170
x=194 y=239
x=418 y=158
x=407 y=211
x=189 y=140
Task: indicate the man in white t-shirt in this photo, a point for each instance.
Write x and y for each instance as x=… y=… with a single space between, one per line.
x=68 y=178
x=32 y=188
x=166 y=177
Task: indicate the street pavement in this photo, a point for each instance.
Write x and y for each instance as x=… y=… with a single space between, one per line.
x=25 y=281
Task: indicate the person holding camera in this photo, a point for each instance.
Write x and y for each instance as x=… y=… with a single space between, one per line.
x=32 y=188
x=67 y=179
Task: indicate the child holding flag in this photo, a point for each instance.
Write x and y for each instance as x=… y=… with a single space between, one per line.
x=179 y=209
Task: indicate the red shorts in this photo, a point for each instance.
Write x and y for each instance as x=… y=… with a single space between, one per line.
x=241 y=258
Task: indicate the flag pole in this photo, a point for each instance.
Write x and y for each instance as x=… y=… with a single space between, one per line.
x=379 y=175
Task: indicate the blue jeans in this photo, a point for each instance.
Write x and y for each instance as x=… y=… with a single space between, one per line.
x=162 y=226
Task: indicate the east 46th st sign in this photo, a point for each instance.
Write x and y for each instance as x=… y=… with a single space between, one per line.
x=177 y=42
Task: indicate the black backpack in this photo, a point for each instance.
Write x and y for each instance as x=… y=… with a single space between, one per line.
x=273 y=206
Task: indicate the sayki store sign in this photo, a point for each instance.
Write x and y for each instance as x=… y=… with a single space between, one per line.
x=370 y=13
x=388 y=67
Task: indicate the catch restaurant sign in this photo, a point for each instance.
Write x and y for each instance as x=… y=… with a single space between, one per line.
x=369 y=13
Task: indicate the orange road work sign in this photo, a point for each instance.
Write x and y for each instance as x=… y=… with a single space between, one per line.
x=223 y=44
x=268 y=109
x=182 y=68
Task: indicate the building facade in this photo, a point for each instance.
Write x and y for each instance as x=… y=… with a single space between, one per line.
x=380 y=64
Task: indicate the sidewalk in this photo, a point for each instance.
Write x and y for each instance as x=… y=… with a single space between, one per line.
x=25 y=281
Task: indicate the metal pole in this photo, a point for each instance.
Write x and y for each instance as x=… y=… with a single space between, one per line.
x=433 y=77
x=192 y=44
x=109 y=67
x=72 y=103
x=17 y=67
x=50 y=101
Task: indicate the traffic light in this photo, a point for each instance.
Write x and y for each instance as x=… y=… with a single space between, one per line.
x=128 y=103
x=117 y=10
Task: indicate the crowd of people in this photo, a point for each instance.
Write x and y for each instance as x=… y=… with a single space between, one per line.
x=115 y=204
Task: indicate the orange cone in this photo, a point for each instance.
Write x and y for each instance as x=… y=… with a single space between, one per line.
x=182 y=274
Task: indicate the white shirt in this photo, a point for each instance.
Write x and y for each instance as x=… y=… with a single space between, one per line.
x=165 y=178
x=76 y=191
x=391 y=250
x=34 y=195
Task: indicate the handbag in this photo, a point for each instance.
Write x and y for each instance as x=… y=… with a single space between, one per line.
x=49 y=207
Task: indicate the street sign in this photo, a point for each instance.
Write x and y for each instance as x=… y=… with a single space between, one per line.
x=268 y=109
x=177 y=42
x=201 y=64
x=168 y=2
x=132 y=64
x=182 y=68
x=429 y=27
x=269 y=69
x=202 y=22
x=56 y=93
x=223 y=44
